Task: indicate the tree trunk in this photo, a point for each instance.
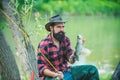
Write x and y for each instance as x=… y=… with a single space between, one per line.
x=8 y=66
x=24 y=47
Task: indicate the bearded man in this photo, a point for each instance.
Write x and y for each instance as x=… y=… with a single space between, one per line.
x=55 y=52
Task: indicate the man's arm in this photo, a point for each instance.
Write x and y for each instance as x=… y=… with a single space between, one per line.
x=49 y=73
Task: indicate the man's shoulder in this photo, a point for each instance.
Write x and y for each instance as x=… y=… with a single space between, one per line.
x=45 y=41
x=66 y=38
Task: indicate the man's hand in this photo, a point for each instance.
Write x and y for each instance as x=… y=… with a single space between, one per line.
x=72 y=58
x=60 y=74
x=47 y=72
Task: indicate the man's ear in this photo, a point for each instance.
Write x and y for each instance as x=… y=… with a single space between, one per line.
x=51 y=28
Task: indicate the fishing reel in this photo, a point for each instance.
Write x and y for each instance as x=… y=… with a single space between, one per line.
x=58 y=78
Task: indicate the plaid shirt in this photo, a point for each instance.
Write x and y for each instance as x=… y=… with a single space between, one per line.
x=58 y=57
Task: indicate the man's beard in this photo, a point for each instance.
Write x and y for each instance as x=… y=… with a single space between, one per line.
x=59 y=36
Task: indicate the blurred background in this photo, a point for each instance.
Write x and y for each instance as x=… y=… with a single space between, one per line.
x=97 y=20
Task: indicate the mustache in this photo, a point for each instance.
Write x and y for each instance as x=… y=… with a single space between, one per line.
x=61 y=32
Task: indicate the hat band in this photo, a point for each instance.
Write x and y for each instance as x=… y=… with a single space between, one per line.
x=56 y=19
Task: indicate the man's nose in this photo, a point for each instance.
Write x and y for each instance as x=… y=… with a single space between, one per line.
x=61 y=29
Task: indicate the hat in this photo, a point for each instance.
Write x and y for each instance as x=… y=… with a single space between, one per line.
x=56 y=18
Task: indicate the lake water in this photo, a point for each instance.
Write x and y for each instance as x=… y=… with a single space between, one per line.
x=101 y=37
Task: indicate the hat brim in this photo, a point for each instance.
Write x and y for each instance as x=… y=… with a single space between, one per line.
x=47 y=26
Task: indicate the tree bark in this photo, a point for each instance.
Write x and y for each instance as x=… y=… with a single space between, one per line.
x=23 y=44
x=8 y=66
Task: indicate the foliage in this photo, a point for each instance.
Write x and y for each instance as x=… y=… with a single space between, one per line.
x=83 y=7
x=3 y=23
x=105 y=76
x=36 y=29
x=21 y=10
x=24 y=8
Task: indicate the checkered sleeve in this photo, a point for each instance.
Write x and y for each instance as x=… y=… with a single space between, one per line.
x=41 y=62
x=69 y=49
